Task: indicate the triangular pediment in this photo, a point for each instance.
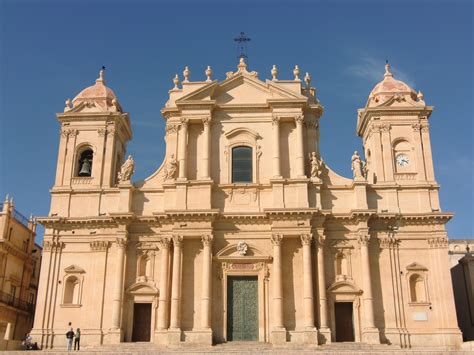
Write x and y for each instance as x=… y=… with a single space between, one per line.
x=74 y=269
x=241 y=88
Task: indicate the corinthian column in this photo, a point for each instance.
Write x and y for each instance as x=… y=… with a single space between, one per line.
x=206 y=152
x=323 y=302
x=183 y=137
x=277 y=282
x=276 y=147
x=175 y=321
x=117 y=298
x=163 y=302
x=307 y=282
x=364 y=239
x=299 y=147
x=206 y=282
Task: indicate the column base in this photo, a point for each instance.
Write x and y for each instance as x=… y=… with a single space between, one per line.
x=311 y=336
x=278 y=336
x=114 y=336
x=161 y=337
x=324 y=336
x=371 y=336
x=174 y=336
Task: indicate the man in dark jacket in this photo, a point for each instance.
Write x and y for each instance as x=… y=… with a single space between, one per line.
x=70 y=338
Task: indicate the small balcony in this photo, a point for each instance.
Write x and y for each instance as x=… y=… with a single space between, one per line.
x=15 y=302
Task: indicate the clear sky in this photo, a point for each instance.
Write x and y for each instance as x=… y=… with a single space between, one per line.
x=51 y=50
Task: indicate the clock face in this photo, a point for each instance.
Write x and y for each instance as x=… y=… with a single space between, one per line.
x=402 y=160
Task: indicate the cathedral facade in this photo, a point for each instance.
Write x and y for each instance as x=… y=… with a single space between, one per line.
x=244 y=233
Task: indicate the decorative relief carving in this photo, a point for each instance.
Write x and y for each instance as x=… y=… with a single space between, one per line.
x=207 y=239
x=306 y=239
x=171 y=128
x=405 y=176
x=184 y=121
x=389 y=243
x=440 y=242
x=242 y=248
x=384 y=127
x=425 y=127
x=99 y=245
x=206 y=121
x=416 y=127
x=102 y=132
x=277 y=239
x=121 y=243
x=164 y=243
x=69 y=132
x=275 y=120
x=363 y=239
x=81 y=180
x=177 y=241
x=299 y=119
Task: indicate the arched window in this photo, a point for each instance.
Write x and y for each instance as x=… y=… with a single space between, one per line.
x=242 y=165
x=71 y=290
x=84 y=166
x=417 y=288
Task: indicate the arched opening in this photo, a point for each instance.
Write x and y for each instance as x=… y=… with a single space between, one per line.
x=417 y=288
x=402 y=156
x=341 y=264
x=242 y=170
x=84 y=164
x=71 y=290
x=144 y=266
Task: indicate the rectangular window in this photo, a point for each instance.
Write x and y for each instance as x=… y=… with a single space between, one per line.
x=242 y=165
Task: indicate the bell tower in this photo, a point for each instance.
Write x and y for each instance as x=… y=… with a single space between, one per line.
x=94 y=134
x=395 y=132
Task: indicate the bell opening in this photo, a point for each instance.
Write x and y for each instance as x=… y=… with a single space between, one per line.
x=85 y=163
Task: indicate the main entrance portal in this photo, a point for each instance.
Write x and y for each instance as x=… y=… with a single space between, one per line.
x=242 y=308
x=141 y=322
x=344 y=321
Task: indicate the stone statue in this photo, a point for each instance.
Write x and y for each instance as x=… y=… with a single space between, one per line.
x=126 y=170
x=315 y=165
x=171 y=167
x=358 y=166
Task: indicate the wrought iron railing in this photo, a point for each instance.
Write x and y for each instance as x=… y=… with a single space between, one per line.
x=20 y=218
x=16 y=302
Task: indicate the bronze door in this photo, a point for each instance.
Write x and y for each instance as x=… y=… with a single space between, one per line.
x=141 y=322
x=242 y=308
x=344 y=321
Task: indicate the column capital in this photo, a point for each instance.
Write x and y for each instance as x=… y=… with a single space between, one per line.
x=425 y=127
x=276 y=120
x=207 y=239
x=277 y=239
x=121 y=242
x=184 y=121
x=306 y=238
x=363 y=239
x=99 y=245
x=416 y=127
x=177 y=241
x=299 y=119
x=206 y=121
x=164 y=243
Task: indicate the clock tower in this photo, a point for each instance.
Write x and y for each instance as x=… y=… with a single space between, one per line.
x=395 y=132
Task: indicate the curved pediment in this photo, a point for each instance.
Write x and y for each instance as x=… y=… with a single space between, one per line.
x=143 y=288
x=344 y=287
x=243 y=131
x=416 y=266
x=74 y=269
x=241 y=251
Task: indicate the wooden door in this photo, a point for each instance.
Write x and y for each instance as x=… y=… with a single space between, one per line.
x=344 y=321
x=242 y=308
x=141 y=322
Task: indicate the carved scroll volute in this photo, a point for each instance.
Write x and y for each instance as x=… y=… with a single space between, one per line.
x=177 y=241
x=164 y=243
x=122 y=243
x=363 y=239
x=306 y=239
x=277 y=239
x=207 y=240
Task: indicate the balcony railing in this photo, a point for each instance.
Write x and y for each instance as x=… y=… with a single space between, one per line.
x=20 y=218
x=7 y=298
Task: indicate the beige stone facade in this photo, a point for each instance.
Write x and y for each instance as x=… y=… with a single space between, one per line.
x=244 y=232
x=20 y=261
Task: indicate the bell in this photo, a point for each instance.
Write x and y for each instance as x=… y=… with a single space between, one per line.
x=85 y=168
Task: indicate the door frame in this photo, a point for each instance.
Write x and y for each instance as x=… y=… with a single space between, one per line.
x=141 y=292
x=151 y=319
x=352 y=320
x=260 y=270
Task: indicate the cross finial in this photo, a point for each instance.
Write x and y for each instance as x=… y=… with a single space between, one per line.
x=242 y=40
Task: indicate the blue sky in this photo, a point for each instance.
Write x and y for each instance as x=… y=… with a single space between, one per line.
x=49 y=51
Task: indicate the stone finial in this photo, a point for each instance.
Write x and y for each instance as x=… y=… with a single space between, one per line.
x=7 y=198
x=307 y=79
x=274 y=72
x=208 y=73
x=242 y=65
x=176 y=81
x=420 y=96
x=296 y=73
x=387 y=69
x=101 y=75
x=186 y=73
x=68 y=105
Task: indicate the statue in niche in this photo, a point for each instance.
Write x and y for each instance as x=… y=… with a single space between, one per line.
x=126 y=170
x=171 y=168
x=315 y=165
x=359 y=166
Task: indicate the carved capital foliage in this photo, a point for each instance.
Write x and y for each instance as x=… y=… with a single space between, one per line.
x=321 y=240
x=102 y=132
x=171 y=128
x=69 y=132
x=121 y=243
x=363 y=239
x=99 y=245
x=299 y=119
x=184 y=121
x=389 y=243
x=206 y=121
x=177 y=241
x=50 y=245
x=384 y=127
x=306 y=239
x=416 y=127
x=425 y=127
x=277 y=239
x=207 y=239
x=164 y=243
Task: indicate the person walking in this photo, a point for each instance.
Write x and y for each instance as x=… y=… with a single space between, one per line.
x=77 y=339
x=70 y=338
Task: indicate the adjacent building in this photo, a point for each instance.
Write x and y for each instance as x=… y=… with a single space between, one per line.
x=244 y=232
x=20 y=261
